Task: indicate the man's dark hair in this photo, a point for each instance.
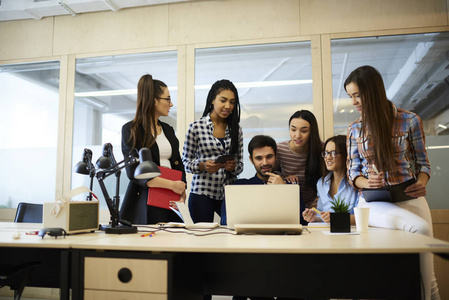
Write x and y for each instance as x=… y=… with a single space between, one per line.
x=260 y=141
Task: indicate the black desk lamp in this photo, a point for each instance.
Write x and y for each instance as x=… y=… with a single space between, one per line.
x=106 y=166
x=86 y=167
x=107 y=162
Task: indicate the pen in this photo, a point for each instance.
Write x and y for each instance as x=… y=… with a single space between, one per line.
x=317 y=211
x=375 y=169
x=150 y=234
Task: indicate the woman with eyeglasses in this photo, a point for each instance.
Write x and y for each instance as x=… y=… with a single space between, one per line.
x=146 y=130
x=386 y=147
x=299 y=159
x=217 y=133
x=334 y=182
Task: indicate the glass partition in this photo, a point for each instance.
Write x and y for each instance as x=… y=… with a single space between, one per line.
x=29 y=112
x=415 y=69
x=105 y=99
x=273 y=81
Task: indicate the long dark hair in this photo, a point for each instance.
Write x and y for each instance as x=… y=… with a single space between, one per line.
x=147 y=90
x=377 y=114
x=314 y=160
x=234 y=118
x=340 y=146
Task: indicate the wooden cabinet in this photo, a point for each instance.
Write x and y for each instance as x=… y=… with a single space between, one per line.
x=126 y=278
x=107 y=295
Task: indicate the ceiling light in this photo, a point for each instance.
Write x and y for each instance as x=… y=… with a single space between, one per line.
x=67 y=8
x=260 y=84
x=107 y=93
x=197 y=87
x=437 y=147
x=442 y=126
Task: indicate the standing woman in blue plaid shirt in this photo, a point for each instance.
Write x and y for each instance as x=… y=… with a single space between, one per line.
x=386 y=147
x=217 y=133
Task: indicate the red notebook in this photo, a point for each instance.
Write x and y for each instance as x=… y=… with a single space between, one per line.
x=160 y=197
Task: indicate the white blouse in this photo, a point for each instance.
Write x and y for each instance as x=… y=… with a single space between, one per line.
x=165 y=150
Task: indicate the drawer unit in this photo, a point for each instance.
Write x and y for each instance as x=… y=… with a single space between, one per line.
x=134 y=277
x=106 y=295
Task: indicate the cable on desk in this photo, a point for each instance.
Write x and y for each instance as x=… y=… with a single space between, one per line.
x=187 y=231
x=190 y=231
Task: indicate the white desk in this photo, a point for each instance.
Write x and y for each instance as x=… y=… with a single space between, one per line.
x=379 y=264
x=376 y=241
x=54 y=254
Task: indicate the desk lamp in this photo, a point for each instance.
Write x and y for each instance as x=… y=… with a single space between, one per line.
x=107 y=166
x=86 y=167
x=107 y=161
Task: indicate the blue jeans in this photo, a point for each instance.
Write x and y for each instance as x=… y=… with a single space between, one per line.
x=202 y=208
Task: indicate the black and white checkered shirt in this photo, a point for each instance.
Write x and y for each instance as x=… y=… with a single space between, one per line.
x=200 y=145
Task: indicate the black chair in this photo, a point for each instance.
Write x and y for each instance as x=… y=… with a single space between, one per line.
x=29 y=213
x=16 y=276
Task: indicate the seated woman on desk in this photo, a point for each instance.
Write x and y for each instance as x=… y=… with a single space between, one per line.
x=386 y=147
x=334 y=183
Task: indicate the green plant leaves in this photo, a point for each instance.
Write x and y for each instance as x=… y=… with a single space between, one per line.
x=339 y=205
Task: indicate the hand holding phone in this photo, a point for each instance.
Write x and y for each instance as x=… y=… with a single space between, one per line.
x=224 y=158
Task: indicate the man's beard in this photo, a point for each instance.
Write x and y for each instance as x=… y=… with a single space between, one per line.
x=262 y=173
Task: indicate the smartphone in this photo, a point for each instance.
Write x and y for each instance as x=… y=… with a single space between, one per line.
x=224 y=158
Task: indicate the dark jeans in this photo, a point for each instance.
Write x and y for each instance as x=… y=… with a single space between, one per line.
x=202 y=208
x=159 y=214
x=252 y=298
x=269 y=298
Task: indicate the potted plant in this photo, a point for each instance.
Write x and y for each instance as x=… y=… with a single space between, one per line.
x=340 y=218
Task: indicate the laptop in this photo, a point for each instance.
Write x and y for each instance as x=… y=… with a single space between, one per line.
x=184 y=213
x=263 y=209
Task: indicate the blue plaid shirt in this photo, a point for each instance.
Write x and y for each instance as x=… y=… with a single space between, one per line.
x=409 y=146
x=200 y=145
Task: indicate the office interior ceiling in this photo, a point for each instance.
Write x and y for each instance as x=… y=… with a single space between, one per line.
x=416 y=74
x=416 y=78
x=37 y=9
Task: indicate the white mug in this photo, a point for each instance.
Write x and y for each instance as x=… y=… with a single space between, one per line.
x=361 y=218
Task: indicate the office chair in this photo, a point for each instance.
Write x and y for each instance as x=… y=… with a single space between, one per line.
x=28 y=213
x=16 y=276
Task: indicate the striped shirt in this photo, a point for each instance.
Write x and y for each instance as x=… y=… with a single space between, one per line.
x=291 y=163
x=200 y=145
x=409 y=143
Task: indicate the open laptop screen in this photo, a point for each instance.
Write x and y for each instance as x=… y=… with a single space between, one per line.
x=262 y=204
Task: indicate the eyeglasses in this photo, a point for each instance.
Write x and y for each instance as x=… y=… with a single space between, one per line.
x=332 y=153
x=168 y=99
